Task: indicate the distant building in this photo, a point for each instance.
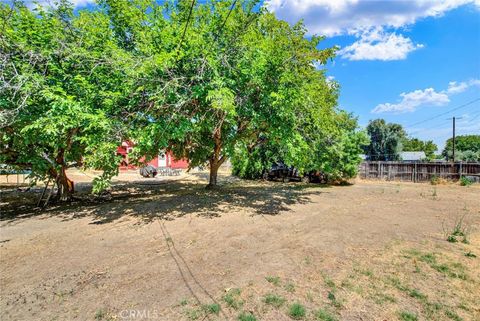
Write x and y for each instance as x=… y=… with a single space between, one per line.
x=412 y=156
x=164 y=159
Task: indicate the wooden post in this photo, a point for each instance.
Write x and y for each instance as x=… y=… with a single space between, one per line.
x=460 y=170
x=415 y=172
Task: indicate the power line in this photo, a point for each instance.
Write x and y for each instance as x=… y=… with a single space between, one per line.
x=186 y=26
x=225 y=20
x=447 y=112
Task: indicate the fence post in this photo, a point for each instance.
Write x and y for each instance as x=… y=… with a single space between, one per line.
x=460 y=170
x=415 y=172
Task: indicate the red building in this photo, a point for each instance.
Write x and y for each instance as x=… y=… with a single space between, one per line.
x=164 y=159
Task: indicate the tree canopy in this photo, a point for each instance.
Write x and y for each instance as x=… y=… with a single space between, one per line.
x=410 y=144
x=63 y=80
x=385 y=140
x=207 y=81
x=467 y=147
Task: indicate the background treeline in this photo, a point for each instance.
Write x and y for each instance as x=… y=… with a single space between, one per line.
x=388 y=140
x=208 y=81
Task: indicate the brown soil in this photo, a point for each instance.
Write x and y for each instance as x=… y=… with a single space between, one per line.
x=164 y=250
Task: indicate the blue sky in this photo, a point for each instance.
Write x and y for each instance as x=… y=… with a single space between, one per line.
x=406 y=61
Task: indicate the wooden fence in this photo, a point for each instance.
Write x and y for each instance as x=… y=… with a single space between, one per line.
x=418 y=171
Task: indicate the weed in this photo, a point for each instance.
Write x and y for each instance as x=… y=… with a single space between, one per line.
x=417 y=294
x=213 y=308
x=428 y=258
x=297 y=311
x=100 y=314
x=459 y=230
x=435 y=180
x=324 y=315
x=232 y=299
x=452 y=315
x=245 y=316
x=465 y=181
x=381 y=298
x=367 y=272
x=184 y=302
x=408 y=316
x=275 y=280
x=470 y=254
x=452 y=239
x=328 y=281
x=333 y=300
x=289 y=287
x=274 y=300
x=193 y=314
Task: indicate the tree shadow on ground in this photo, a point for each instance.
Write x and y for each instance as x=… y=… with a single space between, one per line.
x=170 y=200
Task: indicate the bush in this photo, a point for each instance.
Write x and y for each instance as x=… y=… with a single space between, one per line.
x=465 y=181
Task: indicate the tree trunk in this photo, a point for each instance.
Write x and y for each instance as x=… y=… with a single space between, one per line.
x=65 y=186
x=215 y=162
x=214 y=165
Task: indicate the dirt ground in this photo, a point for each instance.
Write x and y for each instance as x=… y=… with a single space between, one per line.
x=170 y=250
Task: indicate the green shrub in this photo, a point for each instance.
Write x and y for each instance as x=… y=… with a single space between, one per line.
x=297 y=311
x=465 y=181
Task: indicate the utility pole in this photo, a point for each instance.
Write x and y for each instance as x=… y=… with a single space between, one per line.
x=453 y=140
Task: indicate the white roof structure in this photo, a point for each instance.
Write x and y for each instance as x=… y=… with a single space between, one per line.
x=412 y=156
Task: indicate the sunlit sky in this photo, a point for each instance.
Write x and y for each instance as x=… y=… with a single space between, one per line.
x=413 y=62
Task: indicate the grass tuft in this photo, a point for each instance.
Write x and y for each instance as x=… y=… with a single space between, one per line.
x=297 y=311
x=275 y=280
x=274 y=300
x=324 y=315
x=232 y=299
x=408 y=316
x=213 y=308
x=245 y=316
x=470 y=254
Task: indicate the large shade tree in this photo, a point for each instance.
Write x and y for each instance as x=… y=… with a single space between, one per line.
x=223 y=74
x=385 y=140
x=63 y=80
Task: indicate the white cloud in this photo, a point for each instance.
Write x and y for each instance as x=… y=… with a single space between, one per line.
x=365 y=18
x=411 y=101
x=376 y=44
x=337 y=17
x=459 y=87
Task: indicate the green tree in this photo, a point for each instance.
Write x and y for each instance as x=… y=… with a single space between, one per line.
x=417 y=145
x=464 y=143
x=63 y=80
x=385 y=140
x=234 y=77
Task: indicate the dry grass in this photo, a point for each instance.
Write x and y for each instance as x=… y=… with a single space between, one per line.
x=248 y=251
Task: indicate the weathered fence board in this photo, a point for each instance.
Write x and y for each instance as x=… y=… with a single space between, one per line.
x=417 y=171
